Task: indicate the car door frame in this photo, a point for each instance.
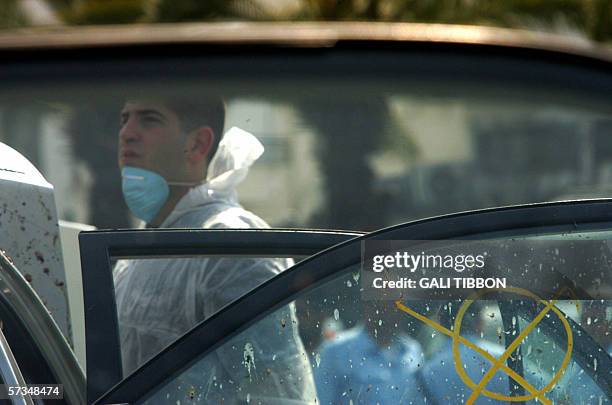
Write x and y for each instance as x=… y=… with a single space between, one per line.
x=568 y=217
x=98 y=248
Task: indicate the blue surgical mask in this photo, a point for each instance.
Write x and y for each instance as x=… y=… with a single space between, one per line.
x=146 y=192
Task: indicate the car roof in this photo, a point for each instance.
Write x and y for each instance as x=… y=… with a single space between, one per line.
x=295 y=34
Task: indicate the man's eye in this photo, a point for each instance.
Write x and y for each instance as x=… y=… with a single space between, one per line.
x=150 y=120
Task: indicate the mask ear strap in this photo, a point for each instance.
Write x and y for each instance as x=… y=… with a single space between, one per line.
x=179 y=183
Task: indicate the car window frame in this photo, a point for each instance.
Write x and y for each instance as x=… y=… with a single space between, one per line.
x=98 y=248
x=579 y=73
x=567 y=217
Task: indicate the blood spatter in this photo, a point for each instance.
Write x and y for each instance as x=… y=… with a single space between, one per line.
x=39 y=257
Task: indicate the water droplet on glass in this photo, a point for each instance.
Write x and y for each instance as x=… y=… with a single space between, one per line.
x=336 y=314
x=248 y=358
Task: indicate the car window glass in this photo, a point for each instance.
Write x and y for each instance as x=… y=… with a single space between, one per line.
x=341 y=153
x=373 y=351
x=186 y=291
x=543 y=355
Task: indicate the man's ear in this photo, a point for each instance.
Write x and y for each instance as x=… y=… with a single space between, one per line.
x=200 y=145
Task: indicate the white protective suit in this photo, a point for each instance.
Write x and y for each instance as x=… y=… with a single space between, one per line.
x=158 y=300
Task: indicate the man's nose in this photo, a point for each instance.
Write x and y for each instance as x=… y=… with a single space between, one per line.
x=130 y=131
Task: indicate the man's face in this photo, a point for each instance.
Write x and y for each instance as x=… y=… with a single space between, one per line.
x=150 y=138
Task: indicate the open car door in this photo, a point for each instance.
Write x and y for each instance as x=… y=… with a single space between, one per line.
x=226 y=358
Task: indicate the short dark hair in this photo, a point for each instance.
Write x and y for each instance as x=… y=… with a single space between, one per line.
x=194 y=113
